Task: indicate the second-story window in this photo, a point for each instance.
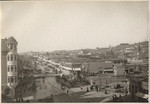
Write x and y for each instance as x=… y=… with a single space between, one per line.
x=11 y=68
x=11 y=57
x=12 y=79
x=8 y=79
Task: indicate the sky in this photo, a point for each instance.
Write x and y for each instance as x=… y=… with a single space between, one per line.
x=68 y=25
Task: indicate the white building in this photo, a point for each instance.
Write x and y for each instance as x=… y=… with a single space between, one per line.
x=10 y=67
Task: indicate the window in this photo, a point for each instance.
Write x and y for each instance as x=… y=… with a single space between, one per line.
x=8 y=68
x=8 y=58
x=11 y=57
x=15 y=79
x=12 y=79
x=11 y=68
x=15 y=47
x=15 y=68
x=14 y=57
x=8 y=79
x=11 y=46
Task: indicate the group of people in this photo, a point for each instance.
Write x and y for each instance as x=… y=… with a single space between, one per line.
x=115 y=98
x=91 y=88
x=19 y=99
x=86 y=90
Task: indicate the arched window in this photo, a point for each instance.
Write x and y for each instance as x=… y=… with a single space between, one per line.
x=15 y=79
x=8 y=79
x=11 y=57
x=11 y=68
x=12 y=79
x=15 y=68
x=15 y=57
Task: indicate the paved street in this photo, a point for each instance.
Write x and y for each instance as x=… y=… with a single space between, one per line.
x=50 y=86
x=46 y=87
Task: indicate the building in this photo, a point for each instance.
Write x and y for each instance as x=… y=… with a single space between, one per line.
x=139 y=88
x=9 y=66
x=110 y=55
x=118 y=61
x=143 y=50
x=137 y=68
x=71 y=66
x=4 y=51
x=104 y=68
x=95 y=67
x=84 y=54
x=119 y=69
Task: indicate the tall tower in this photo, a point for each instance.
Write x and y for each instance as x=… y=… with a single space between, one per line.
x=12 y=67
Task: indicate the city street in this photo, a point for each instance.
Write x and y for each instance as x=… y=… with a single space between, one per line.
x=74 y=52
x=48 y=86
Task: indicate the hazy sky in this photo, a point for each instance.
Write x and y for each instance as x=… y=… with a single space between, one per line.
x=47 y=26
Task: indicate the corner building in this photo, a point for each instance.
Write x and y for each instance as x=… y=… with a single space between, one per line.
x=9 y=66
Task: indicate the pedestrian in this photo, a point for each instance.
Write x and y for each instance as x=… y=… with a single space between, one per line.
x=116 y=98
x=113 y=98
x=20 y=99
x=81 y=87
x=67 y=91
x=52 y=97
x=105 y=92
x=96 y=87
x=120 y=96
x=87 y=89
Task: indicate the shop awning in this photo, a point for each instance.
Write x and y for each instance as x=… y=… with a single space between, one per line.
x=76 y=69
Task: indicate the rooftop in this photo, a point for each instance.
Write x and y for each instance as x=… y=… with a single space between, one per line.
x=11 y=40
